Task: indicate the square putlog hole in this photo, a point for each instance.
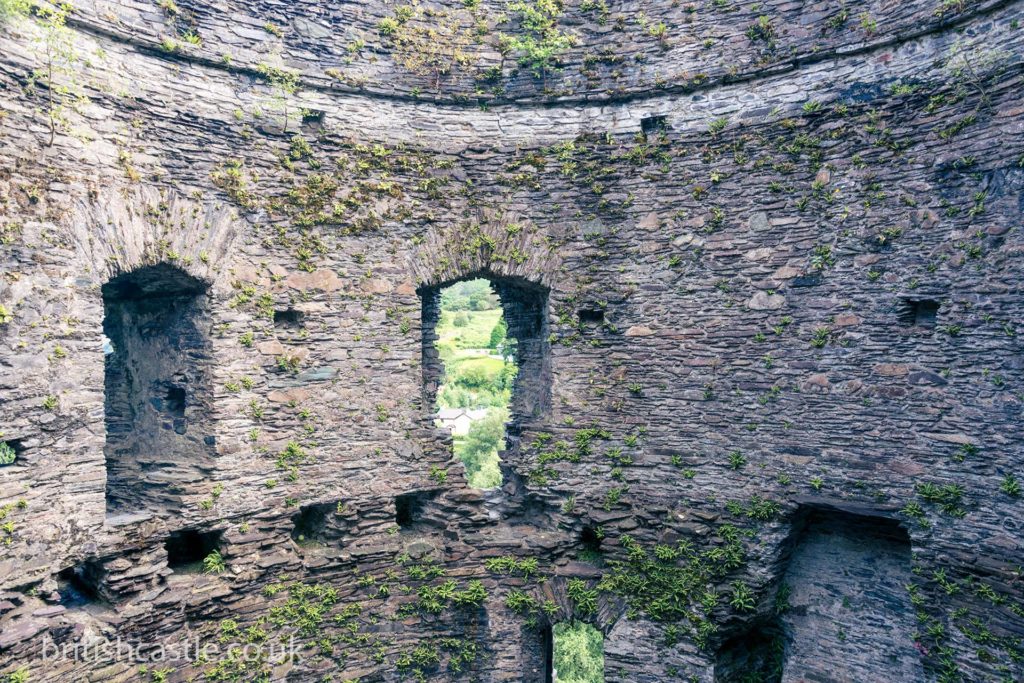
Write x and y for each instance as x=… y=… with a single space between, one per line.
x=288 y=318
x=922 y=313
x=186 y=549
x=651 y=125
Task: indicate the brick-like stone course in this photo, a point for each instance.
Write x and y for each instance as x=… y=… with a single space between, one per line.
x=721 y=327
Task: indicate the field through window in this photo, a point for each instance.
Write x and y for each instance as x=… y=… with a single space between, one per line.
x=479 y=372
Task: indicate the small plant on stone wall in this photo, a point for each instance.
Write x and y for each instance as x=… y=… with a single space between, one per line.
x=584 y=599
x=59 y=71
x=737 y=460
x=7 y=454
x=283 y=84
x=541 y=41
x=19 y=675
x=762 y=31
x=289 y=363
x=214 y=563
x=5 y=315
x=822 y=258
x=1010 y=486
x=820 y=337
x=742 y=598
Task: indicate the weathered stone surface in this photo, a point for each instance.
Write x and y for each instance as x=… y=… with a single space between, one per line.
x=715 y=317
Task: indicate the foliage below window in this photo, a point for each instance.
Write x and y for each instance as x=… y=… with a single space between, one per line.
x=578 y=653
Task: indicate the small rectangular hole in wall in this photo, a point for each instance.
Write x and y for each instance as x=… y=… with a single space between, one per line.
x=590 y=540
x=186 y=549
x=591 y=316
x=312 y=120
x=590 y=546
x=653 y=124
x=920 y=312
x=10 y=451
x=174 y=401
x=311 y=524
x=78 y=585
x=288 y=318
x=407 y=510
x=411 y=509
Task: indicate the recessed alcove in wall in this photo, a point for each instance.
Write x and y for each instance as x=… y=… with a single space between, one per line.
x=845 y=613
x=849 y=611
x=79 y=585
x=921 y=313
x=157 y=387
x=312 y=121
x=412 y=510
x=187 y=548
x=312 y=524
x=591 y=316
x=653 y=124
x=288 y=318
x=756 y=654
x=589 y=546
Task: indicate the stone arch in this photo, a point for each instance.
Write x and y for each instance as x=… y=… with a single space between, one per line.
x=538 y=643
x=525 y=310
x=514 y=256
x=131 y=243
x=119 y=230
x=501 y=244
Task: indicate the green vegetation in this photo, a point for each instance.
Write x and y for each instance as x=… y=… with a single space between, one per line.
x=478 y=374
x=479 y=449
x=671 y=583
x=214 y=563
x=57 y=74
x=7 y=454
x=541 y=42
x=578 y=653
x=10 y=9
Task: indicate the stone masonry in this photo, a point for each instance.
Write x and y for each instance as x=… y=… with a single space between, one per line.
x=764 y=262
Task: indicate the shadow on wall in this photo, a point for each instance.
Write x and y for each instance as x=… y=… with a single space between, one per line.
x=157 y=388
x=842 y=611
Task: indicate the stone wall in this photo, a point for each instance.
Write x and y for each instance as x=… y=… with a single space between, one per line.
x=799 y=290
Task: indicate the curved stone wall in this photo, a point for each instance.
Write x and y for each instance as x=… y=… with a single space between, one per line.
x=798 y=290
x=458 y=51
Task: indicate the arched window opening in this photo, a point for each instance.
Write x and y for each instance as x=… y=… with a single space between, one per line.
x=157 y=388
x=485 y=365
